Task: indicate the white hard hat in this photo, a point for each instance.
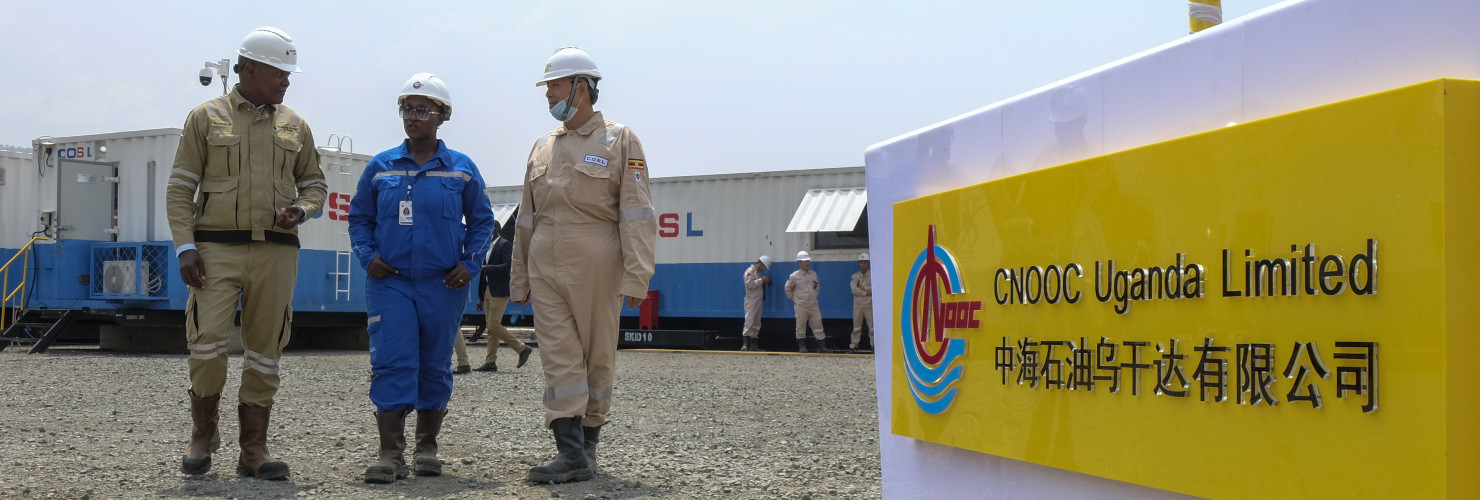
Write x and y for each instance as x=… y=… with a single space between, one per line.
x=765 y=261
x=431 y=86
x=567 y=62
x=802 y=255
x=863 y=256
x=270 y=46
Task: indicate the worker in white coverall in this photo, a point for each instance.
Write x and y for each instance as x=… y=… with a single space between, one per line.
x=863 y=302
x=803 y=288
x=583 y=247
x=755 y=294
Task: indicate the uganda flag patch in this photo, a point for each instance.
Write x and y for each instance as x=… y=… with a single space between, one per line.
x=635 y=164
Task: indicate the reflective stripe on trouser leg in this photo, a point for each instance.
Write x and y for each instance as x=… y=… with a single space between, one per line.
x=868 y=317
x=493 y=315
x=752 y=321
x=268 y=277
x=439 y=312
x=574 y=283
x=394 y=341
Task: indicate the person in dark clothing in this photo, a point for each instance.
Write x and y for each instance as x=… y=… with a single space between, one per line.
x=493 y=290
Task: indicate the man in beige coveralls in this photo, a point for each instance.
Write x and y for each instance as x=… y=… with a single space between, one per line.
x=254 y=164
x=755 y=294
x=584 y=247
x=802 y=287
x=863 y=302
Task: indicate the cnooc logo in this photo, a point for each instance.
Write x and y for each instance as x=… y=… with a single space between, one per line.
x=932 y=360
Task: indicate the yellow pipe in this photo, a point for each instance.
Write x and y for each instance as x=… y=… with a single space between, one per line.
x=1204 y=14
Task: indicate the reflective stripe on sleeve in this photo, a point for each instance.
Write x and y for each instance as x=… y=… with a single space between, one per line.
x=645 y=213
x=185 y=173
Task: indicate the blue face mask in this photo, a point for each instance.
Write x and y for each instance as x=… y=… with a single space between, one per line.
x=562 y=111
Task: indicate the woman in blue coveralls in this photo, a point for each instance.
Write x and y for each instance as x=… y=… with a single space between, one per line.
x=419 y=223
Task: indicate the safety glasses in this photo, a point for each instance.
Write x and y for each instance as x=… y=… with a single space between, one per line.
x=417 y=113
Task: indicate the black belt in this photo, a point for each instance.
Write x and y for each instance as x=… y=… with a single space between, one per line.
x=243 y=236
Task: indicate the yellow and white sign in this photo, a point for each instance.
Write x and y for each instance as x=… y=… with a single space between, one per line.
x=1285 y=308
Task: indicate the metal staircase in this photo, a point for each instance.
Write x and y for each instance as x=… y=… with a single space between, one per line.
x=18 y=325
x=38 y=328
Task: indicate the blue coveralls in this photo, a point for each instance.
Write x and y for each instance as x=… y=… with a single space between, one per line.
x=413 y=316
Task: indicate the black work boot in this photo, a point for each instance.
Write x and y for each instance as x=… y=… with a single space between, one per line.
x=570 y=463
x=255 y=460
x=205 y=436
x=822 y=346
x=392 y=463
x=801 y=345
x=524 y=356
x=593 y=436
x=424 y=458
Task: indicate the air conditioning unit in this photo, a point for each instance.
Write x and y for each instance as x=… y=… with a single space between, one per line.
x=118 y=276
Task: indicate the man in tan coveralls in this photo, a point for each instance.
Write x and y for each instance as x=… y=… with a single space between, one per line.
x=254 y=164
x=584 y=247
x=802 y=287
x=863 y=302
x=755 y=294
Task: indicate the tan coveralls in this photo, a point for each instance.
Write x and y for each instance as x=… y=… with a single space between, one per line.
x=754 y=294
x=802 y=288
x=246 y=162
x=586 y=237
x=863 y=307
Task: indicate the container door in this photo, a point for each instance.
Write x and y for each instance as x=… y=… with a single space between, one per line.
x=86 y=198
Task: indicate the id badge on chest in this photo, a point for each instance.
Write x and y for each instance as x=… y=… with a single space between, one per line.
x=405 y=212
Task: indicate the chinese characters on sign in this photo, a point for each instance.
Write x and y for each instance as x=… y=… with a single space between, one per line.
x=1110 y=365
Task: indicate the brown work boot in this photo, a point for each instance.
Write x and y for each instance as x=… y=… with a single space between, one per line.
x=392 y=464
x=424 y=458
x=255 y=461
x=205 y=436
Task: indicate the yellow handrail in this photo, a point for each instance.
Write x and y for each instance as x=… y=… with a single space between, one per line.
x=13 y=300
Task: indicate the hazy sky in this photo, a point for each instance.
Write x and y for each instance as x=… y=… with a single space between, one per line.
x=709 y=87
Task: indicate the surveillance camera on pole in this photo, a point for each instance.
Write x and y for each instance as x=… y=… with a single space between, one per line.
x=220 y=68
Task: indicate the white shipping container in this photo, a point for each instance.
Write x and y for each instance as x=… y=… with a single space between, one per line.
x=143 y=160
x=711 y=226
x=730 y=217
x=17 y=198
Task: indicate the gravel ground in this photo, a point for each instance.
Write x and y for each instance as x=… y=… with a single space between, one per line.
x=82 y=423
